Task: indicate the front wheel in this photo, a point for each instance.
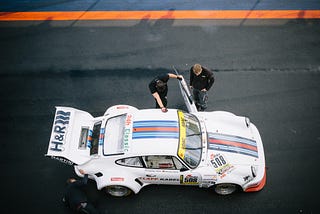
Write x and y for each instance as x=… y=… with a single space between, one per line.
x=225 y=189
x=118 y=191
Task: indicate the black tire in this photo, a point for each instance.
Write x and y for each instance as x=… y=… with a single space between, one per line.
x=225 y=189
x=118 y=191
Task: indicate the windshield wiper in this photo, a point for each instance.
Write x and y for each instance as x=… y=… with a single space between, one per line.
x=193 y=148
x=194 y=134
x=196 y=148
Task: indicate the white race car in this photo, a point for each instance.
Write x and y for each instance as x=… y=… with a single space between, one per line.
x=127 y=148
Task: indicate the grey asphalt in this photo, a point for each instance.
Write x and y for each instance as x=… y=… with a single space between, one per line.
x=268 y=70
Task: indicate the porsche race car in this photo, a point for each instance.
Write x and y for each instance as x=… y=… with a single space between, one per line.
x=128 y=148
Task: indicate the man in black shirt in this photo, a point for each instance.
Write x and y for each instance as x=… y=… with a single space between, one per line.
x=159 y=89
x=75 y=198
x=201 y=80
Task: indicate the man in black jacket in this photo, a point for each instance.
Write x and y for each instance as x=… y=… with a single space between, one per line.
x=201 y=80
x=75 y=198
x=159 y=89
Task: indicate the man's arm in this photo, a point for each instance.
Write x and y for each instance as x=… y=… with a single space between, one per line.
x=191 y=77
x=159 y=101
x=83 y=181
x=157 y=97
x=179 y=77
x=210 y=80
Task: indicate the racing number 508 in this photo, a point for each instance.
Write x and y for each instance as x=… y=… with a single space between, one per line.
x=218 y=161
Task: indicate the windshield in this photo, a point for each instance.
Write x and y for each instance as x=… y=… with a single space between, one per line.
x=190 y=139
x=114 y=132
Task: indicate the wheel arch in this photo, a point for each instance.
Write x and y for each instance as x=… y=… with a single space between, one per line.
x=236 y=187
x=127 y=181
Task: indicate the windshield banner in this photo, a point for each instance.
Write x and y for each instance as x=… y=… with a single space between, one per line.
x=182 y=140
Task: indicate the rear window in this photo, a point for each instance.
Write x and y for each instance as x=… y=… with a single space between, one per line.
x=114 y=132
x=95 y=138
x=132 y=162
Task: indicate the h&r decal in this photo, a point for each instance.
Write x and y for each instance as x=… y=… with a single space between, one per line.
x=61 y=122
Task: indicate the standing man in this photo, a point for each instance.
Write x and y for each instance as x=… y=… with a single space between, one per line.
x=75 y=198
x=159 y=89
x=201 y=80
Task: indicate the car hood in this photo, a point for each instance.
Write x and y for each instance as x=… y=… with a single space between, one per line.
x=233 y=137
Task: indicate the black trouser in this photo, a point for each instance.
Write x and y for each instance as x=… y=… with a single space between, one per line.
x=87 y=208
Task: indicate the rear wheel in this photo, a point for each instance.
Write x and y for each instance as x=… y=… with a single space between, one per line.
x=118 y=191
x=225 y=189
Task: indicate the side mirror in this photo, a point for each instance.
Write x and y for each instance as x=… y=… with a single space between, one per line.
x=183 y=169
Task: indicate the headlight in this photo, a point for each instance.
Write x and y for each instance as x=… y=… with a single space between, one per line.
x=254 y=171
x=247 y=120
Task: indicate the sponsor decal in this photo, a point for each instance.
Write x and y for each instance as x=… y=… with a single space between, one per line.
x=117 y=179
x=169 y=179
x=122 y=107
x=247 y=179
x=162 y=171
x=208 y=181
x=224 y=170
x=63 y=160
x=149 y=178
x=128 y=120
x=221 y=165
x=189 y=179
x=127 y=133
x=59 y=130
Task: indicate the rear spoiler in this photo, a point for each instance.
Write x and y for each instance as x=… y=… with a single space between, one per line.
x=68 y=141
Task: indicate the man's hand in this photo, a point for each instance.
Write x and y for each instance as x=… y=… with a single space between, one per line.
x=179 y=77
x=204 y=89
x=164 y=109
x=82 y=171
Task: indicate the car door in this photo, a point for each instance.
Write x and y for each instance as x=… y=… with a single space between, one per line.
x=161 y=169
x=187 y=96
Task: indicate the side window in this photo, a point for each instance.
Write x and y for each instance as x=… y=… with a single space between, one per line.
x=133 y=162
x=178 y=164
x=160 y=162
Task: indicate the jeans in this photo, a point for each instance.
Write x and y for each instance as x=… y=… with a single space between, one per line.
x=200 y=98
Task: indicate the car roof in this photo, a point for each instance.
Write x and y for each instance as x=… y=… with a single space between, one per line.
x=154 y=132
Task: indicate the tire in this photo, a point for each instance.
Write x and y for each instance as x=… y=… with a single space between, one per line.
x=118 y=191
x=225 y=189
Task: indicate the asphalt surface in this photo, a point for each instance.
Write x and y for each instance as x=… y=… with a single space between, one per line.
x=268 y=70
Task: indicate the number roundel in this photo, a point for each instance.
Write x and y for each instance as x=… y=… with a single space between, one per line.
x=218 y=161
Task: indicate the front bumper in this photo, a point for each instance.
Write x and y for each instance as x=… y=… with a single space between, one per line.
x=258 y=186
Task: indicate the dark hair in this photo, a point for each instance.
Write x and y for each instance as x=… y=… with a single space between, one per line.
x=160 y=85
